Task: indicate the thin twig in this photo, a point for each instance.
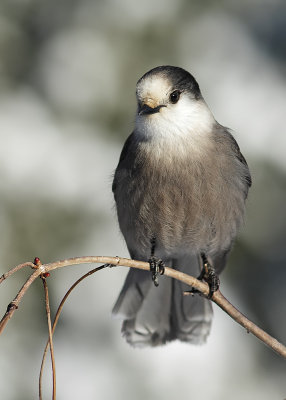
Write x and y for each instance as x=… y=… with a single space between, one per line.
x=13 y=306
x=250 y=327
x=48 y=311
x=189 y=280
x=59 y=310
x=15 y=269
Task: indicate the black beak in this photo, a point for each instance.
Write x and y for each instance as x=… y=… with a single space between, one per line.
x=144 y=109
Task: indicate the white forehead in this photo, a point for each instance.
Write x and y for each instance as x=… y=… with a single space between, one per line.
x=156 y=87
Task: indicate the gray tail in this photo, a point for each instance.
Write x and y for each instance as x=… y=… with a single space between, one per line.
x=155 y=315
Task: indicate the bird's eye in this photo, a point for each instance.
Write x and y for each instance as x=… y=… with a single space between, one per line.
x=174 y=96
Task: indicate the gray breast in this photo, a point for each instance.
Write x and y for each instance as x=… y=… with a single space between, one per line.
x=188 y=203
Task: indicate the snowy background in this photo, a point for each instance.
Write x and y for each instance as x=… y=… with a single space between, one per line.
x=67 y=80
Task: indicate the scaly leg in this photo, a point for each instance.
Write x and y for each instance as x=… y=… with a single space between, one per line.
x=209 y=275
x=156 y=264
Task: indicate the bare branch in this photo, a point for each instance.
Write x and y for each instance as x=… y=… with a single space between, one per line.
x=218 y=298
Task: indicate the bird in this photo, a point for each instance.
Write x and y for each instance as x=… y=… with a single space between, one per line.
x=180 y=189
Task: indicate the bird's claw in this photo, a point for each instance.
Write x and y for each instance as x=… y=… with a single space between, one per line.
x=208 y=275
x=156 y=267
x=212 y=280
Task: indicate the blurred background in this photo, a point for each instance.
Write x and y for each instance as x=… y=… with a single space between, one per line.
x=68 y=71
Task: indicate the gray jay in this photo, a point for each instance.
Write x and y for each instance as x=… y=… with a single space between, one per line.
x=180 y=189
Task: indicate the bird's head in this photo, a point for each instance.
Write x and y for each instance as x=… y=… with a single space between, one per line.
x=170 y=96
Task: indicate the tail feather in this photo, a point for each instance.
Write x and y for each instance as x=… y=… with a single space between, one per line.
x=154 y=315
x=151 y=324
x=192 y=314
x=135 y=289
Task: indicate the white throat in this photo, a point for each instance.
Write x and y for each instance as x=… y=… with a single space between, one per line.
x=186 y=124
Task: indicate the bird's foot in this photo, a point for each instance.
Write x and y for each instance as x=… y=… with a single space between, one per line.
x=209 y=275
x=156 y=264
x=157 y=267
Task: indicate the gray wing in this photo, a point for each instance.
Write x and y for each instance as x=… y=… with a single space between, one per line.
x=125 y=163
x=219 y=260
x=240 y=157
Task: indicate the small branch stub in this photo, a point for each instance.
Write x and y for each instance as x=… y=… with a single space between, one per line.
x=38 y=263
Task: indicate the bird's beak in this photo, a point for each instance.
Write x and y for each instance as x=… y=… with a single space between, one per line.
x=145 y=109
